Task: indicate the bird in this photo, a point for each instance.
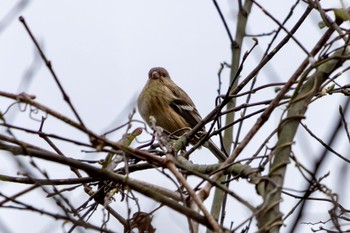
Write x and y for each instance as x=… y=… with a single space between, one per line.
x=171 y=107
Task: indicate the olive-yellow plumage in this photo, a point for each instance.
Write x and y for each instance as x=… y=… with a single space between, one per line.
x=172 y=108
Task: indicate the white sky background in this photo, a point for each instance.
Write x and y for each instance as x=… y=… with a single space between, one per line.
x=102 y=52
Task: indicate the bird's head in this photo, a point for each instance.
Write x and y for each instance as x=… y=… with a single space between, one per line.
x=158 y=73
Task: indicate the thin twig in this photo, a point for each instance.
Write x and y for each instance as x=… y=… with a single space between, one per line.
x=49 y=66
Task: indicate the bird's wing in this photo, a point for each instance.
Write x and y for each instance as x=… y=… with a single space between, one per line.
x=186 y=111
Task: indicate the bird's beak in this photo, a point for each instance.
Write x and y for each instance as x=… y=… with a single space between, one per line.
x=155 y=75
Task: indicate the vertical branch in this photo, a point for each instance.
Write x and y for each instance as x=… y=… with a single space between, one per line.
x=236 y=54
x=270 y=217
x=322 y=159
x=236 y=47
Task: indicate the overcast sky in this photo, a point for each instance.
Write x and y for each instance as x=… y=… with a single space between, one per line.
x=102 y=52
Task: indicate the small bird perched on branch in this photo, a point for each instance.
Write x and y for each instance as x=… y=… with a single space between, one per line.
x=172 y=108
